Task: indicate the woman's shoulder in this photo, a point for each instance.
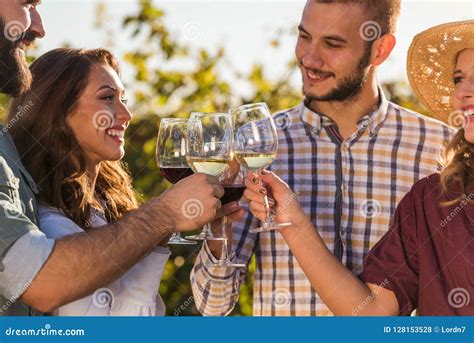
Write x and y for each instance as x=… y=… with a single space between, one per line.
x=427 y=186
x=429 y=183
x=54 y=223
x=45 y=210
x=50 y=213
x=424 y=195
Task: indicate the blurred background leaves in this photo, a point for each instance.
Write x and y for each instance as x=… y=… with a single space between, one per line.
x=161 y=88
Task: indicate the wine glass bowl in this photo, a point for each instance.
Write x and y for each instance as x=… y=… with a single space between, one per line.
x=209 y=142
x=255 y=147
x=209 y=150
x=233 y=181
x=171 y=158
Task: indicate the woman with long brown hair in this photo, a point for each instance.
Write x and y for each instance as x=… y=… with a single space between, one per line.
x=69 y=131
x=424 y=261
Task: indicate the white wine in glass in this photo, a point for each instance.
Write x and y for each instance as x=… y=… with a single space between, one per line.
x=209 y=166
x=209 y=150
x=255 y=147
x=255 y=160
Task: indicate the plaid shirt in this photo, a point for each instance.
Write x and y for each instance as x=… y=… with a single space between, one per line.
x=349 y=188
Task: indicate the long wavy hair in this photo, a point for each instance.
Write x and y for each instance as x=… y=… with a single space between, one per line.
x=458 y=169
x=47 y=145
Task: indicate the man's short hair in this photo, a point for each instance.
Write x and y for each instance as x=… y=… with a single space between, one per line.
x=384 y=12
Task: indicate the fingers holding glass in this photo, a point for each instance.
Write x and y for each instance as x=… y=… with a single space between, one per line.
x=256 y=146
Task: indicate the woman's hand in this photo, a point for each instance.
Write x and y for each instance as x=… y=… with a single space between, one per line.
x=283 y=201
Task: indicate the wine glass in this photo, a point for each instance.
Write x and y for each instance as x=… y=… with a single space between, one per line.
x=255 y=147
x=171 y=159
x=233 y=181
x=209 y=150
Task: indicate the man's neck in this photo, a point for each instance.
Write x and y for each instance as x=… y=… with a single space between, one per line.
x=346 y=114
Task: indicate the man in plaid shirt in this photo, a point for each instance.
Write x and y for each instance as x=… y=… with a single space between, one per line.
x=348 y=153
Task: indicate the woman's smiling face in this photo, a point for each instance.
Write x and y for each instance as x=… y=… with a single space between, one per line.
x=463 y=96
x=100 y=118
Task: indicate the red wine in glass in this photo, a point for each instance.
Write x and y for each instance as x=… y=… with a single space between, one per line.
x=174 y=175
x=232 y=193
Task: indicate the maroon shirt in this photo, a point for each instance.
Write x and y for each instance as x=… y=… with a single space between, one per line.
x=427 y=256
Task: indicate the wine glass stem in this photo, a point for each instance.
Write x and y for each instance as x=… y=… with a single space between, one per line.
x=206 y=230
x=269 y=217
x=224 y=251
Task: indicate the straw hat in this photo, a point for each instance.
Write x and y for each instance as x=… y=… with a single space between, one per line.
x=431 y=62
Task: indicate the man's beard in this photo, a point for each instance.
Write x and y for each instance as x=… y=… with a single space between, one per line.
x=15 y=76
x=349 y=87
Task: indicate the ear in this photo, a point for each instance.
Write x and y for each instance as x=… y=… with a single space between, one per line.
x=381 y=48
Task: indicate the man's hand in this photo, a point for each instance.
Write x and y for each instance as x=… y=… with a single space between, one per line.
x=192 y=202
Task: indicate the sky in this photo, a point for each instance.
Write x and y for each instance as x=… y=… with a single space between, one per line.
x=243 y=27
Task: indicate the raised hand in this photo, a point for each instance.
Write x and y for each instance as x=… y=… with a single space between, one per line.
x=193 y=201
x=282 y=200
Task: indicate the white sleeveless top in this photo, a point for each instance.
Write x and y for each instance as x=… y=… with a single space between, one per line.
x=134 y=294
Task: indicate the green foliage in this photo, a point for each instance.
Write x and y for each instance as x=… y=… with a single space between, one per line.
x=401 y=94
x=3 y=106
x=159 y=91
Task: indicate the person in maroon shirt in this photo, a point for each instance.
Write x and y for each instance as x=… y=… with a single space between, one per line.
x=425 y=261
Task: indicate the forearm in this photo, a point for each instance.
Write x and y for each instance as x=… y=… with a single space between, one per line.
x=341 y=291
x=82 y=263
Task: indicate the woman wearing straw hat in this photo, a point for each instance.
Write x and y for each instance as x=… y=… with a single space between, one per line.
x=425 y=261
